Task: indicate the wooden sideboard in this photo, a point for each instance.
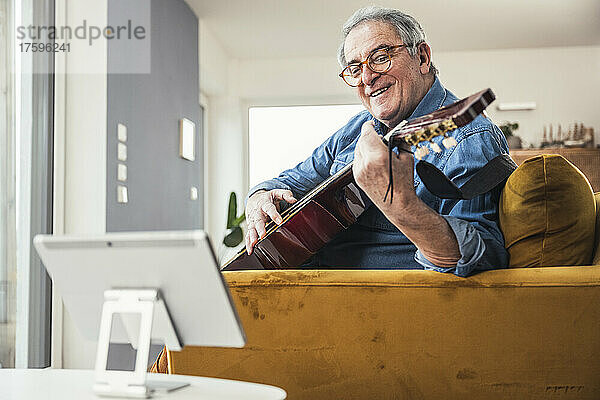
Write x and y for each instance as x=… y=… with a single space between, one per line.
x=587 y=160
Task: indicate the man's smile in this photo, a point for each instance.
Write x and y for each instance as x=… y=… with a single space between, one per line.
x=378 y=91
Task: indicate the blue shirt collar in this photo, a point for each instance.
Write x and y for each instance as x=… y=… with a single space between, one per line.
x=433 y=100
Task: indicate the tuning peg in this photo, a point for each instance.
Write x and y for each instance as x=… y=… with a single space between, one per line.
x=435 y=147
x=432 y=127
x=420 y=134
x=449 y=142
x=421 y=152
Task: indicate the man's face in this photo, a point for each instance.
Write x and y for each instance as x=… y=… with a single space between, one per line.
x=393 y=95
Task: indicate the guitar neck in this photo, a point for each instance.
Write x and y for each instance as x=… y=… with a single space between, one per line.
x=441 y=121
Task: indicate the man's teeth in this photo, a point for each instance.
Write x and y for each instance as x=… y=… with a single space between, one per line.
x=378 y=92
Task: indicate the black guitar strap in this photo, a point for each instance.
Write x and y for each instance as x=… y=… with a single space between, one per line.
x=493 y=174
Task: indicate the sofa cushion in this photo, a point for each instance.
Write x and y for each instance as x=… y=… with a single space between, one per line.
x=548 y=214
x=596 y=260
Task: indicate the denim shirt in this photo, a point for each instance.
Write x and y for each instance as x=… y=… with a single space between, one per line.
x=373 y=242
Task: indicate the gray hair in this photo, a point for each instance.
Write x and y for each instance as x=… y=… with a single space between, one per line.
x=409 y=30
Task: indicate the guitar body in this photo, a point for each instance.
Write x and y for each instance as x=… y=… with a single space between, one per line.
x=334 y=205
x=306 y=227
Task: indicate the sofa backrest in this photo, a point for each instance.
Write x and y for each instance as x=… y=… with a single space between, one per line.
x=596 y=259
x=523 y=333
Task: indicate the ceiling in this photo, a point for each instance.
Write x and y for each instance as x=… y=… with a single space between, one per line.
x=253 y=29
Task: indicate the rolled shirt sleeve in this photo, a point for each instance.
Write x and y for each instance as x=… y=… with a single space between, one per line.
x=470 y=244
x=474 y=222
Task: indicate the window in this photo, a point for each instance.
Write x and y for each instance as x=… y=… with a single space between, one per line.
x=281 y=137
x=26 y=121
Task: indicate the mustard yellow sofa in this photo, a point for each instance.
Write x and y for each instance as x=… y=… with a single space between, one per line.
x=521 y=333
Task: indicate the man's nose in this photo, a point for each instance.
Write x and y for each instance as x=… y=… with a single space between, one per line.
x=368 y=76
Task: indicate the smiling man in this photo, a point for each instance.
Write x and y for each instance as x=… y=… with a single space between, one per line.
x=385 y=57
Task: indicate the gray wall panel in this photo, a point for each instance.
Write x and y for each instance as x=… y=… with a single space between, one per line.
x=150 y=105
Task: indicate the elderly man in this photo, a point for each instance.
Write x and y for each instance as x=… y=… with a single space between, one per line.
x=385 y=56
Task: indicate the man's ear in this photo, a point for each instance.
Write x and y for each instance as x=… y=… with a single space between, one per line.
x=424 y=54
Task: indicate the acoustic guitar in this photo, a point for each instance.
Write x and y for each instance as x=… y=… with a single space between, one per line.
x=335 y=204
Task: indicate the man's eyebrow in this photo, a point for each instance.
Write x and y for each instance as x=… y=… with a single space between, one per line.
x=381 y=46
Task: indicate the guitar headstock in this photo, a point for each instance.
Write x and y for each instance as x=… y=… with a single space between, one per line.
x=440 y=123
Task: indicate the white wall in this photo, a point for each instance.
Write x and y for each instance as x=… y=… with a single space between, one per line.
x=562 y=81
x=292 y=79
x=225 y=138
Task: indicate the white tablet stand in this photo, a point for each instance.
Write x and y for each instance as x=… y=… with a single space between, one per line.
x=154 y=321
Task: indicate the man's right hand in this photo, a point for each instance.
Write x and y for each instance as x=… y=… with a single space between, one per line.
x=261 y=207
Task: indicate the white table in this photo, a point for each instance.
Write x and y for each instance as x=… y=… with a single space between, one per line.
x=65 y=384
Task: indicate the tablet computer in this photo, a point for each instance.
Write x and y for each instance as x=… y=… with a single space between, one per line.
x=182 y=265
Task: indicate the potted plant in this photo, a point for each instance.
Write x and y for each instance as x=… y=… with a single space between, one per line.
x=508 y=129
x=234 y=234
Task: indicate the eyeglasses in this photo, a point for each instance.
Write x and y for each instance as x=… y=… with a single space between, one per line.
x=379 y=61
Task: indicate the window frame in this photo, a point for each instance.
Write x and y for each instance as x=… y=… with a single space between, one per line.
x=35 y=129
